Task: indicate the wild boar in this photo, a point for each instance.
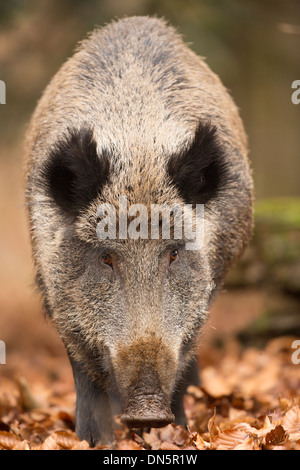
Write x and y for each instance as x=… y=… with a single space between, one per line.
x=134 y=113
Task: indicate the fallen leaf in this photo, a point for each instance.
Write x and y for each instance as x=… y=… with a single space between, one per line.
x=128 y=444
x=276 y=436
x=8 y=440
x=291 y=420
x=152 y=439
x=169 y=446
x=173 y=433
x=61 y=440
x=213 y=429
x=199 y=443
x=231 y=437
x=27 y=400
x=214 y=383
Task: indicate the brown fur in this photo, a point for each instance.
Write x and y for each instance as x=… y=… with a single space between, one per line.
x=142 y=93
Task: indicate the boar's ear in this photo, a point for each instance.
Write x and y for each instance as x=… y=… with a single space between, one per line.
x=74 y=173
x=200 y=171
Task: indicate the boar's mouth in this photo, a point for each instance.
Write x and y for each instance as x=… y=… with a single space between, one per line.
x=147 y=410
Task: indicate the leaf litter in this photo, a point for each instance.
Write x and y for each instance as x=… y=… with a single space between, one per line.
x=248 y=400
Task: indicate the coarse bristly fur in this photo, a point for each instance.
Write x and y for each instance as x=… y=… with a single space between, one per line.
x=135 y=113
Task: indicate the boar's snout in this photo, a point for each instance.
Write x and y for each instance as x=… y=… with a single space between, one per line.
x=145 y=373
x=147 y=411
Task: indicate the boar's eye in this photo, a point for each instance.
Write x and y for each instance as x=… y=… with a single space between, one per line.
x=106 y=259
x=173 y=256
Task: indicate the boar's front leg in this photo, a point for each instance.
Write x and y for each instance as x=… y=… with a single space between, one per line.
x=93 y=413
x=189 y=377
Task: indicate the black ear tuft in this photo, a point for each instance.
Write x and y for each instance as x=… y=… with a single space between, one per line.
x=201 y=171
x=74 y=173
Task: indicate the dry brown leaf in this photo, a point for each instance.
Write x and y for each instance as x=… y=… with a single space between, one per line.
x=230 y=438
x=129 y=444
x=67 y=439
x=213 y=428
x=66 y=418
x=196 y=392
x=8 y=440
x=199 y=443
x=248 y=444
x=81 y=445
x=23 y=445
x=291 y=420
x=264 y=429
x=60 y=440
x=27 y=400
x=50 y=443
x=276 y=436
x=169 y=446
x=241 y=435
x=214 y=383
x=173 y=433
x=152 y=439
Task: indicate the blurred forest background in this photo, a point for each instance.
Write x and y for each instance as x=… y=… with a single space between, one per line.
x=254 y=46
